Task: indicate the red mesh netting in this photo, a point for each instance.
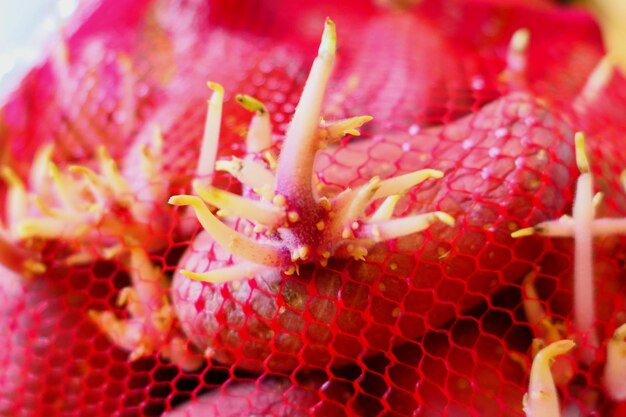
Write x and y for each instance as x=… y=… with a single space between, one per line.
x=96 y=318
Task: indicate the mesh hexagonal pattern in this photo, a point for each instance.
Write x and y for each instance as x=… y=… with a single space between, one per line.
x=441 y=322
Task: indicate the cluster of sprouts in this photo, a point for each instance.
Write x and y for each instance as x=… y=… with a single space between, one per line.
x=81 y=206
x=552 y=342
x=99 y=212
x=294 y=221
x=542 y=400
x=151 y=325
x=78 y=205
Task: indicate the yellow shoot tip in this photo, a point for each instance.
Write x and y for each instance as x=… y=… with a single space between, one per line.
x=558 y=348
x=528 y=231
x=620 y=333
x=10 y=177
x=34 y=267
x=434 y=173
x=250 y=103
x=582 y=161
x=140 y=351
x=216 y=87
x=112 y=251
x=597 y=199
x=233 y=273
x=520 y=40
x=271 y=159
x=55 y=173
x=94 y=315
x=103 y=153
x=125 y=294
x=542 y=398
x=195 y=276
x=358 y=121
x=184 y=200
x=335 y=130
x=567 y=345
x=79 y=169
x=615 y=366
x=445 y=218
x=43 y=207
x=328 y=45
x=88 y=173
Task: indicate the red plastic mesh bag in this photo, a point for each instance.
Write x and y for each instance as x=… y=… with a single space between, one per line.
x=96 y=318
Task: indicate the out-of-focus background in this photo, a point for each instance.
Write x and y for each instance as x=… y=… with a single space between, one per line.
x=27 y=27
